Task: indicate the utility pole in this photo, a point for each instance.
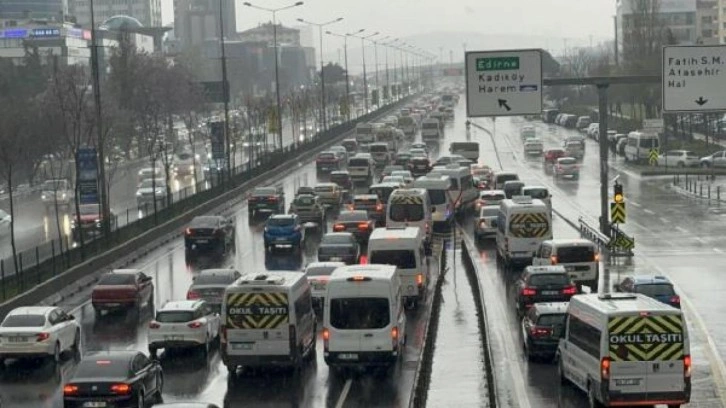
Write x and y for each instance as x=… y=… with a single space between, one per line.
x=103 y=197
x=225 y=94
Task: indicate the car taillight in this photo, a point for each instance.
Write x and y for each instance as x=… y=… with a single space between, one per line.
x=605 y=368
x=553 y=260
x=338 y=227
x=419 y=279
x=363 y=226
x=540 y=331
x=70 y=389
x=363 y=260
x=326 y=338
x=192 y=295
x=596 y=258
x=687 y=366
x=394 y=337
x=188 y=231
x=272 y=198
x=121 y=388
x=42 y=336
x=529 y=292
x=379 y=207
x=570 y=290
x=194 y=325
x=676 y=299
x=482 y=224
x=154 y=325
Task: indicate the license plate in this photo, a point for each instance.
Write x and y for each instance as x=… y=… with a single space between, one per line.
x=348 y=356
x=94 y=404
x=627 y=381
x=17 y=339
x=242 y=346
x=549 y=292
x=202 y=241
x=172 y=338
x=335 y=259
x=280 y=239
x=113 y=304
x=319 y=286
x=569 y=268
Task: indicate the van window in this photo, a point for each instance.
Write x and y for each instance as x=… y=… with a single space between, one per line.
x=358 y=162
x=402 y=258
x=648 y=142
x=437 y=196
x=402 y=212
x=359 y=313
x=584 y=336
x=546 y=279
x=378 y=149
x=503 y=178
x=538 y=193
x=656 y=289
x=575 y=254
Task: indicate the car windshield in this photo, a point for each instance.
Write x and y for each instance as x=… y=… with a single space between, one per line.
x=280 y=221
x=348 y=216
x=204 y=222
x=567 y=162
x=403 y=212
x=344 y=239
x=402 y=258
x=656 y=289
x=378 y=149
x=553 y=319
x=151 y=184
x=489 y=211
x=97 y=368
x=359 y=162
x=546 y=279
x=24 y=320
x=539 y=193
x=359 y=313
x=174 y=316
x=214 y=279
x=91 y=209
x=437 y=197
x=117 y=279
x=53 y=185
x=575 y=254
x=320 y=270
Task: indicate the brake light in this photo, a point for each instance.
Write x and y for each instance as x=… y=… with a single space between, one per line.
x=338 y=227
x=194 y=325
x=605 y=368
x=596 y=258
x=540 y=331
x=676 y=299
x=326 y=338
x=419 y=279
x=529 y=292
x=272 y=198
x=192 y=295
x=154 y=325
x=42 y=336
x=363 y=259
x=363 y=226
x=482 y=224
x=570 y=290
x=379 y=207
x=687 y=366
x=553 y=260
x=121 y=388
x=70 y=389
x=188 y=231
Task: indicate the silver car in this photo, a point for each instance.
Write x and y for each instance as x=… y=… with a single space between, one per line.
x=318 y=274
x=210 y=284
x=486 y=226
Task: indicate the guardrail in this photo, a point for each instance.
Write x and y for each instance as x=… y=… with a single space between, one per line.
x=700 y=187
x=618 y=243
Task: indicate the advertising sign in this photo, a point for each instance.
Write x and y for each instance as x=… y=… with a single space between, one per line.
x=216 y=131
x=87 y=162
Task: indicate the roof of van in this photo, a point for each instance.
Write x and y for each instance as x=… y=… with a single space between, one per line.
x=396 y=233
x=533 y=203
x=268 y=278
x=432 y=181
x=374 y=271
x=621 y=303
x=574 y=241
x=409 y=192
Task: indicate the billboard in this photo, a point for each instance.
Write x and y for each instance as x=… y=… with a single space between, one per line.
x=216 y=131
x=87 y=167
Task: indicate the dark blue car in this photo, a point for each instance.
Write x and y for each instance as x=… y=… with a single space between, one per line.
x=284 y=230
x=656 y=287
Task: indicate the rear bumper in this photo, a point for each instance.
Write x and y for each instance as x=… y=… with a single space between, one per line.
x=196 y=245
x=283 y=360
x=293 y=239
x=381 y=358
x=113 y=304
x=327 y=166
x=33 y=351
x=545 y=348
x=652 y=398
x=111 y=402
x=348 y=259
x=187 y=342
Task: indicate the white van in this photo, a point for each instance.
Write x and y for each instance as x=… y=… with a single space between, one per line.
x=579 y=256
x=268 y=319
x=522 y=225
x=442 y=206
x=431 y=130
x=502 y=177
x=365 y=133
x=639 y=145
x=380 y=153
x=626 y=349
x=404 y=249
x=364 y=319
x=410 y=207
x=360 y=167
x=469 y=150
x=462 y=189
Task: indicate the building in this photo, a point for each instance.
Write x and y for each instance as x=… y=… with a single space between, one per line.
x=265 y=33
x=707 y=22
x=307 y=38
x=196 y=21
x=51 y=10
x=148 y=12
x=678 y=16
x=59 y=42
x=721 y=9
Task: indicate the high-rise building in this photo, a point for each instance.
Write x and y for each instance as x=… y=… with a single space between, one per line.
x=266 y=33
x=721 y=10
x=677 y=16
x=53 y=10
x=148 y=12
x=707 y=22
x=196 y=21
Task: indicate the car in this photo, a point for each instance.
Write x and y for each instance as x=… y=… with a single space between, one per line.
x=56 y=192
x=284 y=229
x=543 y=284
x=486 y=226
x=123 y=289
x=591 y=129
x=394 y=179
x=620 y=146
x=659 y=288
x=91 y=221
x=418 y=152
x=527 y=132
x=615 y=140
x=566 y=167
x=513 y=188
x=149 y=190
x=339 y=247
x=328 y=161
x=329 y=194
x=717 y=159
x=450 y=159
x=679 y=158
x=480 y=170
x=209 y=286
x=149 y=173
x=209 y=234
x=372 y=204
x=114 y=379
x=269 y=199
x=421 y=146
x=533 y=146
x=38 y=331
x=402 y=159
x=542 y=327
x=583 y=122
x=184 y=164
x=309 y=210
x=388 y=170
x=361 y=167
x=419 y=166
x=305 y=190
x=551 y=156
x=341 y=152
x=318 y=274
x=356 y=222
x=351 y=145
x=343 y=180
x=183 y=324
x=406 y=174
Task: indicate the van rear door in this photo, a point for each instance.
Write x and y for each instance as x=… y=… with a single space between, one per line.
x=257 y=323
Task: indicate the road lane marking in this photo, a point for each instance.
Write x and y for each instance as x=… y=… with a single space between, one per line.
x=344 y=394
x=635 y=204
x=681 y=229
x=648 y=211
x=699 y=239
x=718 y=250
x=664 y=220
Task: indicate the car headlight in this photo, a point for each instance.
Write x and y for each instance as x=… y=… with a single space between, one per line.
x=266 y=229
x=64 y=195
x=159 y=191
x=43 y=197
x=138 y=194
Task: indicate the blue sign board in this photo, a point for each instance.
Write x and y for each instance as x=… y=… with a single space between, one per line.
x=75 y=32
x=216 y=130
x=14 y=33
x=46 y=32
x=87 y=167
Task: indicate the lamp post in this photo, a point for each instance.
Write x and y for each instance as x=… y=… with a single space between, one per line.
x=365 y=75
x=225 y=94
x=347 y=74
x=277 y=69
x=375 y=56
x=322 y=66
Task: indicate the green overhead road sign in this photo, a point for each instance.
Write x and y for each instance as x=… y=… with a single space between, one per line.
x=617 y=213
x=497 y=64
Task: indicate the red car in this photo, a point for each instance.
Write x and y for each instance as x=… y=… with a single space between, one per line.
x=123 y=289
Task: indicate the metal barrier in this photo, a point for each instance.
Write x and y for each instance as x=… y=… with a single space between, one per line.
x=593 y=234
x=617 y=244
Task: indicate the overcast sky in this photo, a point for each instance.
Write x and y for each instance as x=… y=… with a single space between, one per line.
x=572 y=19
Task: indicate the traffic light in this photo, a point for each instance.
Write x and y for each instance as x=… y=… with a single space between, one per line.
x=618 y=196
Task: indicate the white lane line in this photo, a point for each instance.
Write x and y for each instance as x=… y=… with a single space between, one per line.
x=647 y=211
x=699 y=239
x=344 y=394
x=681 y=229
x=664 y=220
x=634 y=204
x=718 y=250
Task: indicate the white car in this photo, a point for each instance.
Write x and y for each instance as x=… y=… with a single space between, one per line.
x=5 y=220
x=183 y=324
x=318 y=274
x=38 y=331
x=407 y=177
x=149 y=173
x=679 y=158
x=56 y=191
x=184 y=164
x=148 y=191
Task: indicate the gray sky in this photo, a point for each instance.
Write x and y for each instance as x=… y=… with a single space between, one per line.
x=572 y=19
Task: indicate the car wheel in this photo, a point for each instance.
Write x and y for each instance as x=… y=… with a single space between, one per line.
x=158 y=399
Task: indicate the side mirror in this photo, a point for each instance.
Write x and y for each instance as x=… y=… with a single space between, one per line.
x=71 y=317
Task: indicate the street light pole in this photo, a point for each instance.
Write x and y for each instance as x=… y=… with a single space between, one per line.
x=103 y=199
x=347 y=73
x=365 y=75
x=277 y=68
x=375 y=57
x=225 y=94
x=323 y=113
